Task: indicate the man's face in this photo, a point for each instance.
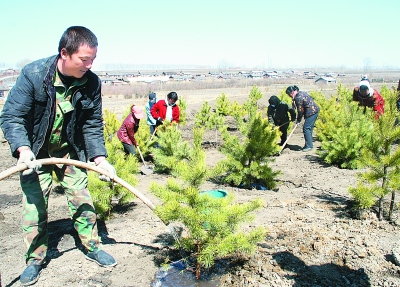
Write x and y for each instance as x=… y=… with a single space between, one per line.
x=171 y=101
x=77 y=64
x=364 y=92
x=292 y=94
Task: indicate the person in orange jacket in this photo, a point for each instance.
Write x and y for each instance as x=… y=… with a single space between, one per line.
x=366 y=96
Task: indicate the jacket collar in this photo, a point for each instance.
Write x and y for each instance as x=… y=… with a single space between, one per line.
x=48 y=79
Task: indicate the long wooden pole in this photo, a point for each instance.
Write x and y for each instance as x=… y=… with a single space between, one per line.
x=50 y=161
x=284 y=144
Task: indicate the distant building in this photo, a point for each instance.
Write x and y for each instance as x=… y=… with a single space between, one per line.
x=4 y=90
x=256 y=74
x=244 y=74
x=333 y=75
x=271 y=75
x=325 y=80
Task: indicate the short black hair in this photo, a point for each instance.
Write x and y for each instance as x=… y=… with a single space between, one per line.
x=74 y=37
x=172 y=95
x=290 y=89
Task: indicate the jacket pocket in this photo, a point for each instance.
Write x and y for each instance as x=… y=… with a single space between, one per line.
x=66 y=107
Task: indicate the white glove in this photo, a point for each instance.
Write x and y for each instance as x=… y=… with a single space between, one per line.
x=27 y=157
x=110 y=170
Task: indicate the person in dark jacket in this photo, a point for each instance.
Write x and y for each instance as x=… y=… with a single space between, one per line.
x=55 y=110
x=307 y=108
x=126 y=133
x=278 y=114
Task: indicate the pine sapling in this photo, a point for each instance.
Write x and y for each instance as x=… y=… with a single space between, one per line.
x=104 y=194
x=342 y=128
x=202 y=117
x=111 y=124
x=382 y=160
x=171 y=148
x=223 y=105
x=182 y=110
x=248 y=156
x=208 y=119
x=211 y=224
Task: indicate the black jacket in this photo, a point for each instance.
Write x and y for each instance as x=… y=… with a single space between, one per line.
x=28 y=114
x=278 y=112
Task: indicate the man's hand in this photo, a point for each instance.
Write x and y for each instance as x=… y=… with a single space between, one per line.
x=104 y=164
x=159 y=121
x=26 y=156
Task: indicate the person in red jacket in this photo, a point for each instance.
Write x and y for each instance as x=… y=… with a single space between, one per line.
x=166 y=109
x=366 y=96
x=126 y=133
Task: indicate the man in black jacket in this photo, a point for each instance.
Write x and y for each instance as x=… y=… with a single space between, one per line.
x=55 y=110
x=278 y=115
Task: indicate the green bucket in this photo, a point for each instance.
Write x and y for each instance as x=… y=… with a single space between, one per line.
x=216 y=193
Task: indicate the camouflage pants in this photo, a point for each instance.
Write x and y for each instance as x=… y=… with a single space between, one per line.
x=36 y=188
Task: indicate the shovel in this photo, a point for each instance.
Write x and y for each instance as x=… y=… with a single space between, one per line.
x=145 y=169
x=151 y=138
x=284 y=144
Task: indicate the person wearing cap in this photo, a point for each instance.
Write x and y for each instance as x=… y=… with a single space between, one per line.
x=166 y=109
x=366 y=96
x=126 y=133
x=307 y=108
x=150 y=120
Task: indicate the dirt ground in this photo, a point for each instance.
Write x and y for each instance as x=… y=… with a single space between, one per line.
x=313 y=238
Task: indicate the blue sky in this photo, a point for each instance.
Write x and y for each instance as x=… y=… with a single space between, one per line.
x=213 y=33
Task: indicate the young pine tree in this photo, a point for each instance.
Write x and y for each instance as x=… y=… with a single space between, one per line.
x=381 y=158
x=237 y=110
x=342 y=128
x=102 y=192
x=212 y=224
x=111 y=124
x=248 y=156
x=182 y=110
x=202 y=117
x=251 y=105
x=171 y=148
x=209 y=120
x=223 y=105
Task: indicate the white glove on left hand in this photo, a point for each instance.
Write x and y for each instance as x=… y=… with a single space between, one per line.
x=28 y=157
x=109 y=168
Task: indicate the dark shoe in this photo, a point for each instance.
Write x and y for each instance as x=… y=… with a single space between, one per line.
x=102 y=258
x=396 y=255
x=307 y=149
x=31 y=274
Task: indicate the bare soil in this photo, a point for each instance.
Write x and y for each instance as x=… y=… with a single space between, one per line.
x=314 y=238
